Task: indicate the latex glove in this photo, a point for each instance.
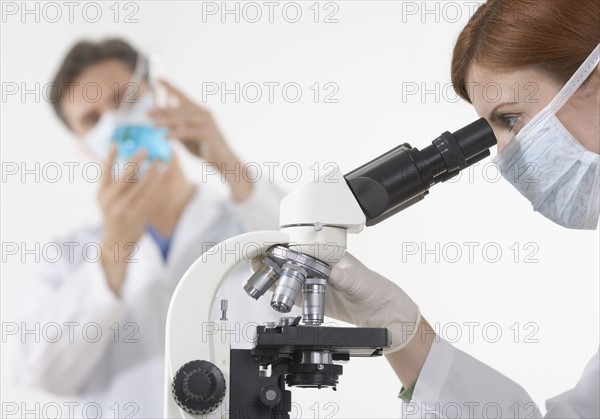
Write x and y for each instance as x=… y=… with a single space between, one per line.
x=355 y=294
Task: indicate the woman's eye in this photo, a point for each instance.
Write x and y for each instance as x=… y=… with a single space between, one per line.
x=509 y=120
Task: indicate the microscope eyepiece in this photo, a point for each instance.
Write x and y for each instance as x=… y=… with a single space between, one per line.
x=403 y=175
x=475 y=138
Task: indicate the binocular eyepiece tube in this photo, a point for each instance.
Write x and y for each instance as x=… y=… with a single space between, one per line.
x=402 y=177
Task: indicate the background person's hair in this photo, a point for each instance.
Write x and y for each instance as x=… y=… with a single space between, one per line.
x=82 y=55
x=553 y=36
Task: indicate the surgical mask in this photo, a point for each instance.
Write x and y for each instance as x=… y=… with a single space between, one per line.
x=99 y=138
x=131 y=129
x=550 y=168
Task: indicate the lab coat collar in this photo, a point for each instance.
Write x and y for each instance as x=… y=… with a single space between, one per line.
x=199 y=214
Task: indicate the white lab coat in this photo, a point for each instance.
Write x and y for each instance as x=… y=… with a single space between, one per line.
x=122 y=371
x=454 y=384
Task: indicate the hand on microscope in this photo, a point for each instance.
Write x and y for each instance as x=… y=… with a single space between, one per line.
x=358 y=295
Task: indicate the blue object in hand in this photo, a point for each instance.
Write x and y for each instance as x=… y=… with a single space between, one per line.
x=132 y=138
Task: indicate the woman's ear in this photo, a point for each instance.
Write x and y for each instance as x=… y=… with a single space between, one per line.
x=590 y=89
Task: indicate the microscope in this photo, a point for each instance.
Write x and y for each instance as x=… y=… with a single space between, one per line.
x=205 y=376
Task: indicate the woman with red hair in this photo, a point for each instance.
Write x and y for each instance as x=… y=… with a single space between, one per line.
x=549 y=51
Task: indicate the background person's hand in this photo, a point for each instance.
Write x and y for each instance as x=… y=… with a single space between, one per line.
x=195 y=127
x=355 y=294
x=125 y=202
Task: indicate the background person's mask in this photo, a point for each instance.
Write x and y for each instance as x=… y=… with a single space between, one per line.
x=550 y=168
x=99 y=138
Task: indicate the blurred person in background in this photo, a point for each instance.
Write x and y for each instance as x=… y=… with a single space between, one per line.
x=155 y=224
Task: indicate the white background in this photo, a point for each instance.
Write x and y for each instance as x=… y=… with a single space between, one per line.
x=369 y=53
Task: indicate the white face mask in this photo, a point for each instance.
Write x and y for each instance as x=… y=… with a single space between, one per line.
x=99 y=138
x=550 y=168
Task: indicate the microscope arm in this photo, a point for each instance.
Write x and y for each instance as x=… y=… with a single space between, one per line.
x=191 y=334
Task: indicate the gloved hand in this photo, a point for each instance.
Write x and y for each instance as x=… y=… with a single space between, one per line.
x=355 y=294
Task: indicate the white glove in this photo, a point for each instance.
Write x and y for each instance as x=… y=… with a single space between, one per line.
x=355 y=294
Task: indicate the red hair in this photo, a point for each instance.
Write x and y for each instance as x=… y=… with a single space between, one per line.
x=553 y=36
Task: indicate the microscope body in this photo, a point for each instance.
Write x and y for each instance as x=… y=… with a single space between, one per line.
x=205 y=376
x=312 y=236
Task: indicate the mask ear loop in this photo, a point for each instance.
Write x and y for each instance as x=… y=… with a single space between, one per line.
x=139 y=73
x=566 y=92
x=155 y=70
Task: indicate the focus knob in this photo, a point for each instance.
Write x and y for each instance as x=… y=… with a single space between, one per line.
x=198 y=387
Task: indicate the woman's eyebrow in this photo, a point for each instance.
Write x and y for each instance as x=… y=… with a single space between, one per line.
x=501 y=105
